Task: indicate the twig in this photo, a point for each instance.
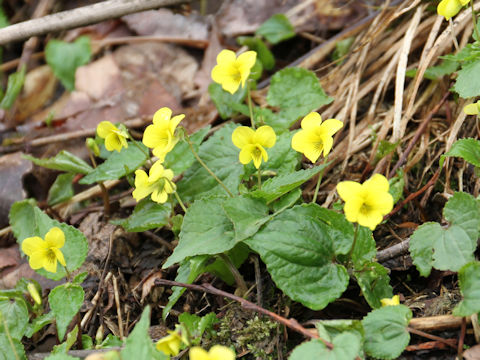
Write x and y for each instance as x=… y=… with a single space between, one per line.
x=160 y=240
x=82 y=16
x=417 y=135
x=117 y=304
x=430 y=336
x=291 y=323
x=258 y=279
x=461 y=338
x=393 y=251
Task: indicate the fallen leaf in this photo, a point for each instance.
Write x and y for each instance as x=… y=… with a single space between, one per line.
x=9 y=257
x=149 y=283
x=473 y=353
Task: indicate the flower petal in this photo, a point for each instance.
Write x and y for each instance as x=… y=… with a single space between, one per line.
x=162 y=115
x=197 y=353
x=349 y=190
x=246 y=154
x=449 y=8
x=219 y=352
x=327 y=144
x=245 y=62
x=380 y=201
x=331 y=126
x=352 y=208
x=55 y=238
x=471 y=109
x=377 y=183
x=156 y=136
x=37 y=259
x=112 y=142
x=104 y=128
x=265 y=136
x=370 y=219
x=159 y=196
x=33 y=244
x=156 y=172
x=311 y=121
x=226 y=56
x=142 y=188
x=298 y=141
x=175 y=121
x=242 y=136
x=59 y=256
x=50 y=263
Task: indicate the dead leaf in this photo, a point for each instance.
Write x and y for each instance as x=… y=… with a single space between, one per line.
x=9 y=257
x=12 y=169
x=473 y=353
x=165 y=23
x=149 y=283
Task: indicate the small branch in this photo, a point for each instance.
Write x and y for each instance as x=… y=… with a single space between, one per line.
x=429 y=336
x=463 y=330
x=82 y=16
x=393 y=251
x=291 y=323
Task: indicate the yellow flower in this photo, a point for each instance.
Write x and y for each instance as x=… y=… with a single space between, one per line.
x=315 y=136
x=160 y=136
x=252 y=143
x=115 y=139
x=45 y=253
x=217 y=352
x=33 y=291
x=366 y=203
x=170 y=345
x=391 y=302
x=472 y=109
x=158 y=183
x=449 y=8
x=231 y=71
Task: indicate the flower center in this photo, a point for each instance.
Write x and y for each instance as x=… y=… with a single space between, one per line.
x=50 y=254
x=365 y=209
x=257 y=152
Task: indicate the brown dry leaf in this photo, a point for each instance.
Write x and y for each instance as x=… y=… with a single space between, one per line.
x=149 y=283
x=12 y=169
x=9 y=279
x=165 y=23
x=473 y=353
x=9 y=257
x=203 y=77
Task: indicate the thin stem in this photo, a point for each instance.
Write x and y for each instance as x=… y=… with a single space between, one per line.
x=250 y=106
x=146 y=153
x=474 y=19
x=190 y=144
x=182 y=205
x=69 y=276
x=355 y=234
x=320 y=176
x=242 y=286
x=105 y=196
x=452 y=32
x=259 y=176
x=9 y=337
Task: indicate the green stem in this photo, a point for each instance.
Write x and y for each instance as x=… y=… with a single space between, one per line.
x=474 y=19
x=350 y=254
x=320 y=176
x=182 y=205
x=259 y=176
x=250 y=106
x=242 y=286
x=190 y=144
x=69 y=276
x=9 y=337
x=105 y=196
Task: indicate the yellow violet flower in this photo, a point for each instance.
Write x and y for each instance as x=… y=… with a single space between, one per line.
x=157 y=182
x=115 y=139
x=366 y=203
x=230 y=71
x=170 y=344
x=450 y=8
x=253 y=143
x=217 y=352
x=45 y=253
x=316 y=136
x=472 y=109
x=160 y=136
x=395 y=300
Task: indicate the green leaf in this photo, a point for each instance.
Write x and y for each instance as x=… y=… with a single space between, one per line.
x=3 y=18
x=296 y=92
x=346 y=346
x=80 y=278
x=15 y=314
x=181 y=157
x=237 y=255
x=14 y=86
x=110 y=341
x=197 y=325
x=39 y=323
x=27 y=220
x=221 y=157
x=206 y=229
x=365 y=248
x=63 y=310
x=246 y=214
x=467 y=149
x=287 y=200
x=63 y=65
x=342 y=47
x=275 y=187
x=328 y=329
x=139 y=345
x=187 y=272
x=224 y=101
x=467 y=84
x=374 y=283
x=397 y=183
x=6 y=351
x=146 y=215
x=469 y=279
x=263 y=52
x=281 y=158
x=451 y=248
x=276 y=29
x=118 y=164
x=63 y=161
x=61 y=356
x=61 y=190
x=386 y=334
x=298 y=251
x=87 y=342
